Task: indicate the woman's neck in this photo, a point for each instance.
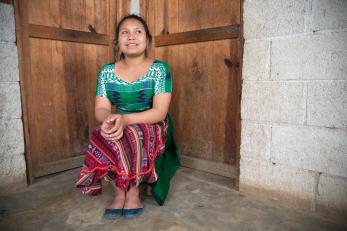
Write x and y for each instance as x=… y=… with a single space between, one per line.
x=134 y=61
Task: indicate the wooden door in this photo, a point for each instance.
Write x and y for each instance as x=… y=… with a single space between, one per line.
x=62 y=45
x=202 y=42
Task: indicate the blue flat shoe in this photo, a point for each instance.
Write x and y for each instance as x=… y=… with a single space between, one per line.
x=132 y=213
x=112 y=213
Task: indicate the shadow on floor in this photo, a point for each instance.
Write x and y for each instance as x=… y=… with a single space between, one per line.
x=197 y=201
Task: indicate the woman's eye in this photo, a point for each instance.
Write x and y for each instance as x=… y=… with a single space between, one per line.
x=139 y=31
x=124 y=32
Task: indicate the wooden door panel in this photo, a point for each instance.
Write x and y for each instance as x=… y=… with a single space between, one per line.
x=201 y=14
x=199 y=105
x=64 y=78
x=67 y=14
x=63 y=45
x=206 y=75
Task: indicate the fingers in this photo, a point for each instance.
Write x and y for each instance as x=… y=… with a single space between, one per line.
x=112 y=130
x=112 y=136
x=105 y=135
x=115 y=137
x=112 y=118
x=118 y=136
x=107 y=125
x=119 y=133
x=112 y=127
x=118 y=124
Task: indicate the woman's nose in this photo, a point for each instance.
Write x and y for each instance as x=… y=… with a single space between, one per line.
x=131 y=36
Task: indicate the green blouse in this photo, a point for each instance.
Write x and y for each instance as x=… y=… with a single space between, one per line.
x=136 y=96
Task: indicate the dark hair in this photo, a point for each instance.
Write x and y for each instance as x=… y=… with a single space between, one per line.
x=144 y=24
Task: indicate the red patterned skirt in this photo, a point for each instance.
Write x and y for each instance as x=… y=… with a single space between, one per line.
x=128 y=161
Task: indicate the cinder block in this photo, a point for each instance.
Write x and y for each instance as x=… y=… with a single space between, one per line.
x=11 y=137
x=10 y=102
x=332 y=192
x=317 y=56
x=327 y=104
x=12 y=169
x=255 y=141
x=328 y=14
x=7 y=23
x=256 y=60
x=277 y=177
x=9 y=62
x=273 y=101
x=268 y=18
x=310 y=148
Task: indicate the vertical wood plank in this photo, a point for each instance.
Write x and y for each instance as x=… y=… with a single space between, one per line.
x=62 y=138
x=90 y=64
x=39 y=13
x=160 y=27
x=240 y=55
x=21 y=14
x=90 y=15
x=123 y=8
x=54 y=12
x=101 y=16
x=112 y=23
x=173 y=17
x=42 y=111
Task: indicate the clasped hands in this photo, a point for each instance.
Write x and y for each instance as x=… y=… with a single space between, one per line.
x=113 y=126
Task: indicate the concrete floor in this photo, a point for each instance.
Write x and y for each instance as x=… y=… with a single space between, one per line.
x=197 y=201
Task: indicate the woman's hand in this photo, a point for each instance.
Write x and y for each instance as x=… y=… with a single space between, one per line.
x=113 y=126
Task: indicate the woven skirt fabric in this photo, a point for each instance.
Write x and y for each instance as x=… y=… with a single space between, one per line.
x=127 y=161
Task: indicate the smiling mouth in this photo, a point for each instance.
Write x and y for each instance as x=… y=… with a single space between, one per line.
x=131 y=45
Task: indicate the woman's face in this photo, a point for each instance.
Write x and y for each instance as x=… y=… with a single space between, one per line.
x=132 y=39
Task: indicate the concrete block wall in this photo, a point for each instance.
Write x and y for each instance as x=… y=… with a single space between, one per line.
x=12 y=161
x=294 y=103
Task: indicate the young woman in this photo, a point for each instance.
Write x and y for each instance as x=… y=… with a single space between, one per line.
x=125 y=147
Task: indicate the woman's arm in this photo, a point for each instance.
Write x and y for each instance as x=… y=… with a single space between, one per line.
x=102 y=108
x=157 y=113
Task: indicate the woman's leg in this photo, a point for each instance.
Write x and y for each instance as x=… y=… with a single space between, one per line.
x=119 y=198
x=132 y=199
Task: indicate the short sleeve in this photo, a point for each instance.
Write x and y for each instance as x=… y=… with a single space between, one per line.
x=163 y=81
x=100 y=85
